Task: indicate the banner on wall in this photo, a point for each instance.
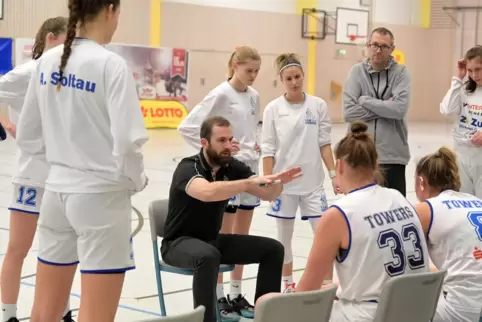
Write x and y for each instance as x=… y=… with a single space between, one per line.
x=161 y=76
x=6 y=51
x=23 y=50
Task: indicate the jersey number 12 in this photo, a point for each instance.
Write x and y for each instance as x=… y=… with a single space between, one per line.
x=391 y=238
x=27 y=196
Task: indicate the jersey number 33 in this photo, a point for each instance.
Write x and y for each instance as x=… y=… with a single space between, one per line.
x=393 y=239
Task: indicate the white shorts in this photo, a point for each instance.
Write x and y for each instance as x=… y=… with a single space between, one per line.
x=470 y=169
x=312 y=205
x=448 y=310
x=347 y=311
x=244 y=200
x=93 y=229
x=26 y=198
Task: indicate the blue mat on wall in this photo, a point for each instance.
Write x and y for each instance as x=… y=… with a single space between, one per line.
x=6 y=55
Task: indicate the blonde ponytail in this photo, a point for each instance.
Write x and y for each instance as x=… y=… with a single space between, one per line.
x=440 y=170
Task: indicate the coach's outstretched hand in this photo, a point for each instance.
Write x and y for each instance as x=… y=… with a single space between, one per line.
x=286 y=176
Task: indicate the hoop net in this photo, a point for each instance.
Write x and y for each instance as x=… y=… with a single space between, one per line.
x=360 y=42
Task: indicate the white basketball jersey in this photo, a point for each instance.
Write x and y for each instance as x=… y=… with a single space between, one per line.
x=91 y=132
x=293 y=135
x=455 y=244
x=13 y=89
x=386 y=240
x=240 y=109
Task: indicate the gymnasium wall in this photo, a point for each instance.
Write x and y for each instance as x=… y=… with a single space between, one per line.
x=211 y=29
x=22 y=18
x=211 y=32
x=469 y=27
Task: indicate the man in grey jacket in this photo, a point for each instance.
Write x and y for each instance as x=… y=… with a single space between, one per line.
x=377 y=91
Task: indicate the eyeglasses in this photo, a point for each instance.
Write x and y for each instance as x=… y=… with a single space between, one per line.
x=378 y=46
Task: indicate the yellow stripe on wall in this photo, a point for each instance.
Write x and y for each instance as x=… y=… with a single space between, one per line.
x=310 y=69
x=155 y=29
x=425 y=13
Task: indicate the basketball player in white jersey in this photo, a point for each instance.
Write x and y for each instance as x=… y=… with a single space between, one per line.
x=362 y=233
x=238 y=102
x=452 y=223
x=464 y=100
x=29 y=181
x=82 y=104
x=296 y=130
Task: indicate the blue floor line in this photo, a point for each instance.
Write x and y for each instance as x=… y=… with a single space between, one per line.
x=121 y=306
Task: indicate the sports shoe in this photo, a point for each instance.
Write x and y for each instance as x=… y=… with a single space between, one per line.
x=227 y=312
x=242 y=306
x=13 y=320
x=68 y=317
x=289 y=288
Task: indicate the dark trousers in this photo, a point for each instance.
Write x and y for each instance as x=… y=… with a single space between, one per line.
x=205 y=257
x=395 y=177
x=3 y=134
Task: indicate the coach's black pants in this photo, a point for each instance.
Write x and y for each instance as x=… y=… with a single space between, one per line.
x=395 y=177
x=205 y=258
x=3 y=134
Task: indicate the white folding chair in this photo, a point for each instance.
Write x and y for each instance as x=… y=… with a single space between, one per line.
x=411 y=298
x=314 y=306
x=196 y=315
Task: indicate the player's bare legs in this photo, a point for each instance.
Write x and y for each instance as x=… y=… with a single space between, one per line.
x=242 y=224
x=22 y=233
x=100 y=297
x=52 y=289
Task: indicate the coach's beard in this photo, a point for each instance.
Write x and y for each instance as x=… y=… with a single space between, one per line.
x=220 y=158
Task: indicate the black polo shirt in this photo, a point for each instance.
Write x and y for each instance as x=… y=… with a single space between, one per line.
x=192 y=217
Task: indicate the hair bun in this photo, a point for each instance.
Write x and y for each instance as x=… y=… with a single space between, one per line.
x=446 y=153
x=358 y=128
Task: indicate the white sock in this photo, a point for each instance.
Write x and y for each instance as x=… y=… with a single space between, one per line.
x=67 y=308
x=287 y=280
x=9 y=311
x=235 y=288
x=220 y=291
x=314 y=223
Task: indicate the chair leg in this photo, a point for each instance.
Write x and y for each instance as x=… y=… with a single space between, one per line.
x=218 y=314
x=160 y=293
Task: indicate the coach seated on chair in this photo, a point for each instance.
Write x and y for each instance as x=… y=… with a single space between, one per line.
x=201 y=187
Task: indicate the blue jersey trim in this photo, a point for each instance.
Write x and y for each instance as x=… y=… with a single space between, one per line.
x=343 y=256
x=431 y=217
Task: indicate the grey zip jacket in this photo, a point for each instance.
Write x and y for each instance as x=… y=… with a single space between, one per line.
x=380 y=99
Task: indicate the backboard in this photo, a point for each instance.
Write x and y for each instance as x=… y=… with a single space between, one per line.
x=351 y=26
x=313 y=24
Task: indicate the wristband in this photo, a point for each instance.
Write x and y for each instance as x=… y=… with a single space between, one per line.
x=332 y=174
